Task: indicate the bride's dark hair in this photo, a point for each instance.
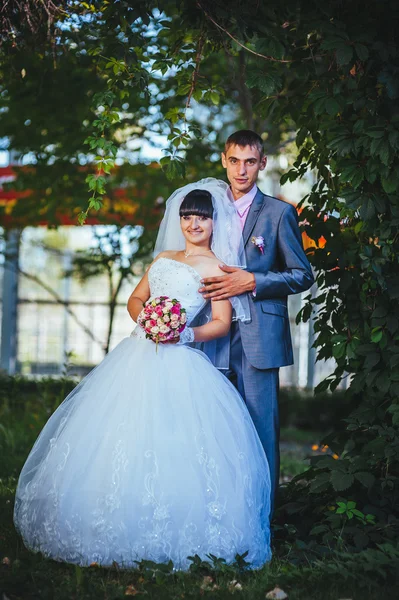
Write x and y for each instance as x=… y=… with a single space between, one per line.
x=197 y=202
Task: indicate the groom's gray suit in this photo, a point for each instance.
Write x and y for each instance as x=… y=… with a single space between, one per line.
x=258 y=348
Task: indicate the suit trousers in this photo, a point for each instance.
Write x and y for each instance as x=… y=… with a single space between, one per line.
x=259 y=389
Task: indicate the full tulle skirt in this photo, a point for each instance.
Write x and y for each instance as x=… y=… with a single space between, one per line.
x=152 y=456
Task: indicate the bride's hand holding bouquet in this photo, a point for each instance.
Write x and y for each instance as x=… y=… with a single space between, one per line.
x=163 y=319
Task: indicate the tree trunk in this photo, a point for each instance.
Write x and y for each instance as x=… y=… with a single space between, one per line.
x=113 y=297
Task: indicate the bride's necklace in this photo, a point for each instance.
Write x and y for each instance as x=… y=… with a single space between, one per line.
x=189 y=253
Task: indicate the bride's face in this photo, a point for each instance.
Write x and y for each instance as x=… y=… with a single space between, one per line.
x=197 y=230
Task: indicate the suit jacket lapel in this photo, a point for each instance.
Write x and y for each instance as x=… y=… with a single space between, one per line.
x=253 y=215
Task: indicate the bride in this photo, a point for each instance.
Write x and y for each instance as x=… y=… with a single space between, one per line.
x=154 y=455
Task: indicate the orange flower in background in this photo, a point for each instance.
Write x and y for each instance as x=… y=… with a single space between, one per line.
x=306 y=240
x=316 y=447
x=309 y=243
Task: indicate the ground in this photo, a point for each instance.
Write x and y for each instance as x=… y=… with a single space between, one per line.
x=25 y=576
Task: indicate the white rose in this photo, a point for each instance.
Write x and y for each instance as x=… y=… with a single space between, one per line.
x=168 y=305
x=154 y=316
x=174 y=318
x=159 y=321
x=155 y=330
x=164 y=329
x=183 y=318
x=174 y=325
x=166 y=319
x=165 y=310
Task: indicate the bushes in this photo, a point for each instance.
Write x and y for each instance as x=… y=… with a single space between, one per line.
x=25 y=406
x=298 y=408
x=322 y=412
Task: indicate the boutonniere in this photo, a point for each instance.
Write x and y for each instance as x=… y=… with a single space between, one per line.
x=259 y=242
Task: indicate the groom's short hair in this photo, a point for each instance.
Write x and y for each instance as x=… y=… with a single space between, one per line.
x=245 y=137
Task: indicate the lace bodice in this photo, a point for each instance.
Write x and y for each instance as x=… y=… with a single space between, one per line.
x=168 y=277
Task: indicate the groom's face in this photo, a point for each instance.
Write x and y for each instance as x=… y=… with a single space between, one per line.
x=242 y=164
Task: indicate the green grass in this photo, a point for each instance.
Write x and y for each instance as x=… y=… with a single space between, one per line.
x=30 y=576
x=25 y=576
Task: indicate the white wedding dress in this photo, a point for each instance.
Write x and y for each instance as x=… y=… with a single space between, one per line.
x=152 y=456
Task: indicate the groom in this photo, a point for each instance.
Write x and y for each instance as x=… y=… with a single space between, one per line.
x=276 y=267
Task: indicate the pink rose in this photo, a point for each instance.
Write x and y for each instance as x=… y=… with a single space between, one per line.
x=153 y=323
x=159 y=311
x=175 y=310
x=174 y=318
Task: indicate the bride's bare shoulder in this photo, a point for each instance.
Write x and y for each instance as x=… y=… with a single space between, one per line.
x=211 y=268
x=167 y=254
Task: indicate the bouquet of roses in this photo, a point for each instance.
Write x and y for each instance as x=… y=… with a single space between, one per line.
x=163 y=319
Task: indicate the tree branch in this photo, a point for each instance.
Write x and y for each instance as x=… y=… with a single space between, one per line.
x=59 y=300
x=194 y=76
x=271 y=58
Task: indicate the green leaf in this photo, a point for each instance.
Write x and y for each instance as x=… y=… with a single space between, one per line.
x=376 y=132
x=318 y=529
x=338 y=350
x=344 y=54
x=389 y=184
x=379 y=312
x=215 y=98
x=394 y=139
x=320 y=483
x=362 y=51
x=358 y=227
x=264 y=82
x=332 y=106
x=367 y=479
x=341 y=481
x=175 y=169
x=322 y=386
x=367 y=209
x=82 y=216
x=371 y=361
x=384 y=152
x=357 y=178
x=376 y=335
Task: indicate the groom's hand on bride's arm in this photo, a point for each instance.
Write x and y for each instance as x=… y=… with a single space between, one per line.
x=233 y=283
